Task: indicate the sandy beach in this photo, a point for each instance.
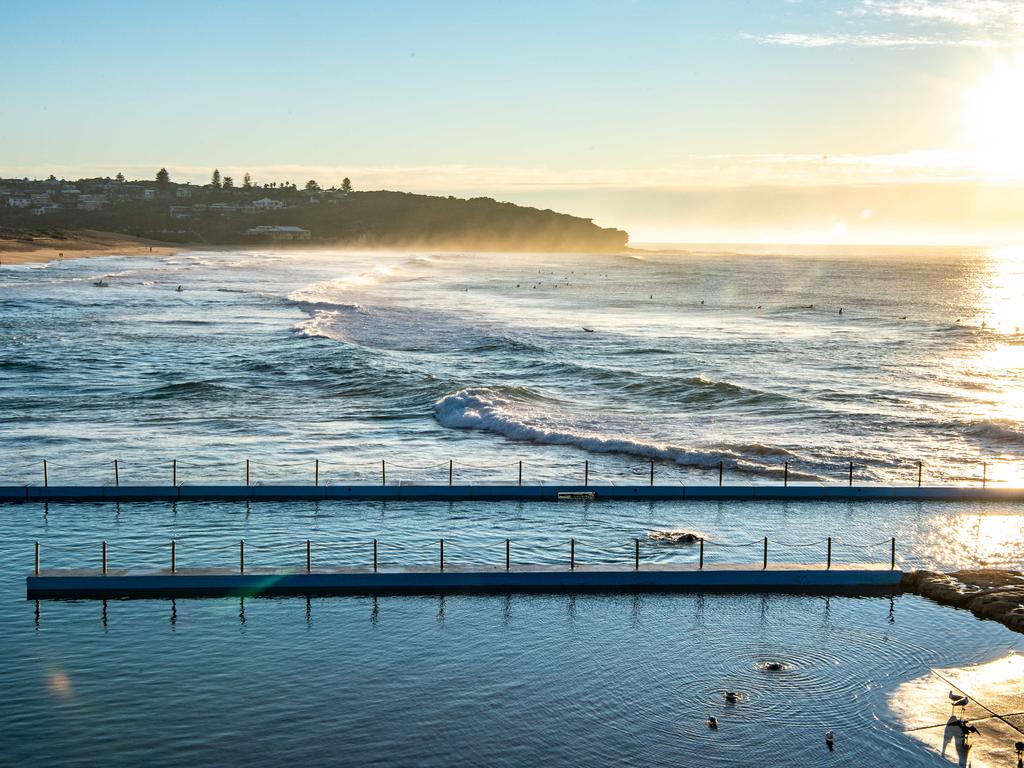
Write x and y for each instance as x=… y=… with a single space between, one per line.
x=24 y=247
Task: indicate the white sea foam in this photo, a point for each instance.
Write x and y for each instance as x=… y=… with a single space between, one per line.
x=519 y=414
x=335 y=291
x=324 y=325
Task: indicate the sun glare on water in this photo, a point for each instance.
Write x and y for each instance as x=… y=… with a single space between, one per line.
x=995 y=121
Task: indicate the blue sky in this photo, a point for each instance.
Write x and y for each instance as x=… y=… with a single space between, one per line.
x=563 y=102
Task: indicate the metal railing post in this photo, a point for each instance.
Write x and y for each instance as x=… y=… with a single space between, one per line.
x=636 y=555
x=652 y=473
x=117 y=475
x=241 y=555
x=383 y=473
x=851 y=474
x=46 y=476
x=765 y=564
x=104 y=558
x=442 y=555
x=246 y=471
x=721 y=472
x=508 y=555
x=572 y=554
x=701 y=566
x=174 y=472
x=520 y=473
x=316 y=472
x=892 y=555
x=37 y=559
x=586 y=472
x=785 y=474
x=450 y=464
x=828 y=561
x=174 y=564
x=374 y=555
x=309 y=556
x=918 y=474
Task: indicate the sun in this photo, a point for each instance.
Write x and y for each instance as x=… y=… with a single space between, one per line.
x=995 y=122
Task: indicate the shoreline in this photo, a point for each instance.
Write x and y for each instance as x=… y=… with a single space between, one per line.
x=79 y=244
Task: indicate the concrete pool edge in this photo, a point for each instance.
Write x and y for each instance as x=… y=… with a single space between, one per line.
x=489 y=492
x=796 y=579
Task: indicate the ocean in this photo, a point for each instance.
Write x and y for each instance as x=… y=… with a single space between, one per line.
x=286 y=358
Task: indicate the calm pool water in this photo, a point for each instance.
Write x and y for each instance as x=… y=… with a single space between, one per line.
x=498 y=680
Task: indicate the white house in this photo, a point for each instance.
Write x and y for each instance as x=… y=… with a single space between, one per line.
x=184 y=192
x=42 y=210
x=268 y=204
x=19 y=201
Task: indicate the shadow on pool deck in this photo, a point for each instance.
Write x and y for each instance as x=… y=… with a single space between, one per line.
x=996 y=708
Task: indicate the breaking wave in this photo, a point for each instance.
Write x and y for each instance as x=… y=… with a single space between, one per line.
x=1003 y=433
x=521 y=414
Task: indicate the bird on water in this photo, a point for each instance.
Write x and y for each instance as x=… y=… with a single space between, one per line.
x=732 y=697
x=830 y=740
x=713 y=723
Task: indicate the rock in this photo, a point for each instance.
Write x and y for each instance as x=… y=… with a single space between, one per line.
x=988 y=593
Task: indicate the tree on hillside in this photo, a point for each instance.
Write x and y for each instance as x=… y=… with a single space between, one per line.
x=229 y=183
x=312 y=186
x=346 y=185
x=247 y=181
x=215 y=179
x=162 y=177
x=119 y=178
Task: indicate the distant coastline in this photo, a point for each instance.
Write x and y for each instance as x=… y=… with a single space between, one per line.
x=165 y=213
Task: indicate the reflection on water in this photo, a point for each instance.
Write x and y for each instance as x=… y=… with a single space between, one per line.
x=505 y=680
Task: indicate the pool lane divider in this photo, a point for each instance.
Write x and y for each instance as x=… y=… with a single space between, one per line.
x=198 y=582
x=547 y=491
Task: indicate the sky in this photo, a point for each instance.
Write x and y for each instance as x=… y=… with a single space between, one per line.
x=717 y=121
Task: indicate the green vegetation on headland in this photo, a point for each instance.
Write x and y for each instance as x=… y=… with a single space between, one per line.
x=221 y=213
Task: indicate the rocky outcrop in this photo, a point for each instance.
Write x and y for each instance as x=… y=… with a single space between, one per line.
x=987 y=593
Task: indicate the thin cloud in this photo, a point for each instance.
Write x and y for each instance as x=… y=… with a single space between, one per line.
x=863 y=41
x=915 y=24
x=990 y=14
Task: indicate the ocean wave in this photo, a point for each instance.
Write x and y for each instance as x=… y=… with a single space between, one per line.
x=1004 y=433
x=323 y=325
x=522 y=414
x=23 y=365
x=332 y=292
x=187 y=390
